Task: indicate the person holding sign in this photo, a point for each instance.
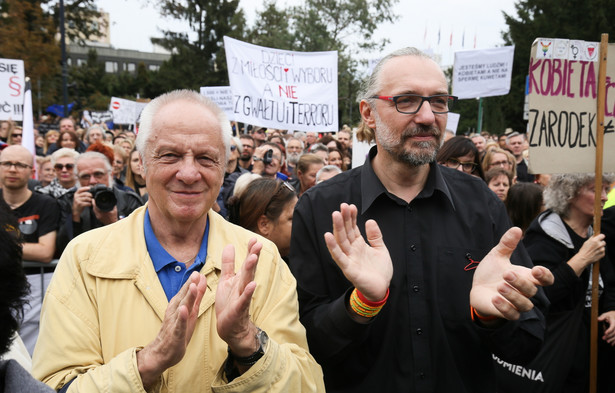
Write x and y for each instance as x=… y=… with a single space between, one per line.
x=411 y=288
x=561 y=239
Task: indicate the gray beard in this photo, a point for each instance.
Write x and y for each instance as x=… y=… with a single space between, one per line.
x=426 y=155
x=423 y=152
x=293 y=158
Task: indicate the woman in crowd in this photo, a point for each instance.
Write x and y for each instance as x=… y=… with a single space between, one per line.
x=127 y=145
x=460 y=153
x=63 y=162
x=336 y=158
x=5 y=128
x=15 y=136
x=69 y=139
x=307 y=168
x=46 y=173
x=120 y=157
x=562 y=239
x=51 y=139
x=498 y=157
x=134 y=176
x=499 y=181
x=523 y=203
x=266 y=207
x=39 y=145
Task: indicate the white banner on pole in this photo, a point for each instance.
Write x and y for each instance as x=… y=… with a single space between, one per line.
x=483 y=73
x=283 y=89
x=221 y=95
x=12 y=86
x=125 y=111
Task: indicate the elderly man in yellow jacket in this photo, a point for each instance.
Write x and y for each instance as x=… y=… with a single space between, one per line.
x=164 y=300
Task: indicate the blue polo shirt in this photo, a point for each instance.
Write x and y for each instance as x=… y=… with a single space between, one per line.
x=171 y=273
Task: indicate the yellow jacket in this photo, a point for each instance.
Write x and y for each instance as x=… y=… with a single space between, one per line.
x=105 y=302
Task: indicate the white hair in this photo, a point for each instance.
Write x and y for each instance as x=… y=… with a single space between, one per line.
x=94 y=155
x=152 y=108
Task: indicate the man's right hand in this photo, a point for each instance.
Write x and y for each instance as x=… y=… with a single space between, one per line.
x=81 y=199
x=367 y=266
x=169 y=347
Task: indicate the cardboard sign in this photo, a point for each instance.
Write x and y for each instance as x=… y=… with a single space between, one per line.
x=125 y=111
x=221 y=95
x=283 y=89
x=12 y=86
x=483 y=73
x=563 y=79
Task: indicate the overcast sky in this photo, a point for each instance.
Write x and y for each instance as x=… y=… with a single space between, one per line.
x=133 y=23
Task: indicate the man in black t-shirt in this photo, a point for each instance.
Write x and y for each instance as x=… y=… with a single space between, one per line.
x=38 y=217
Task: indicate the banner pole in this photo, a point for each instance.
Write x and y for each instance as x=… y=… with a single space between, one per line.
x=479 y=126
x=593 y=360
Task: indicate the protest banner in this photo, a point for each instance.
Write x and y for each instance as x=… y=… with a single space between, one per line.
x=483 y=73
x=12 y=84
x=221 y=95
x=563 y=91
x=125 y=111
x=283 y=89
x=452 y=121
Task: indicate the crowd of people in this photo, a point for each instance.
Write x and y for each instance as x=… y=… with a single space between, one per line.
x=401 y=274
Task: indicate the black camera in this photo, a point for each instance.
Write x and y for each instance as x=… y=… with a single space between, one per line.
x=268 y=157
x=104 y=197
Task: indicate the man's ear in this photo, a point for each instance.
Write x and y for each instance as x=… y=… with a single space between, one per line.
x=264 y=225
x=367 y=113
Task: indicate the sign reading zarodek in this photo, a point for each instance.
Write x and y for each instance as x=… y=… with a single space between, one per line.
x=282 y=89
x=563 y=92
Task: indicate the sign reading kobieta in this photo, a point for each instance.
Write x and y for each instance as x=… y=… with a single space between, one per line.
x=563 y=91
x=12 y=84
x=282 y=89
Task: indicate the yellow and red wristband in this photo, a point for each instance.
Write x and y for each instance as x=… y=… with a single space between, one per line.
x=364 y=307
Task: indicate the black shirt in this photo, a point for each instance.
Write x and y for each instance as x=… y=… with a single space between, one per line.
x=423 y=340
x=38 y=216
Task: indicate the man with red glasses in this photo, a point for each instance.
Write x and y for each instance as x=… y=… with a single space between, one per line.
x=411 y=288
x=38 y=217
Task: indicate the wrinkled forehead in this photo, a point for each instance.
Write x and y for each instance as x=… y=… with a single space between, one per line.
x=412 y=74
x=91 y=164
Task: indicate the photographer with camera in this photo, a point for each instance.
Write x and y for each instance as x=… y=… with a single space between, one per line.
x=269 y=161
x=93 y=203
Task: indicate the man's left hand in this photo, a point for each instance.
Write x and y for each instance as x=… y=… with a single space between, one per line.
x=502 y=289
x=233 y=298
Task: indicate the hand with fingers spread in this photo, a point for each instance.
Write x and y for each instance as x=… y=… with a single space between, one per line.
x=233 y=298
x=502 y=289
x=169 y=346
x=367 y=266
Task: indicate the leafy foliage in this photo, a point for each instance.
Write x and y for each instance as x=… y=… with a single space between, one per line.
x=28 y=29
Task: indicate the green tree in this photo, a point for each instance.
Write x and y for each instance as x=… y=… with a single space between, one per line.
x=28 y=29
x=28 y=34
x=197 y=61
x=571 y=19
